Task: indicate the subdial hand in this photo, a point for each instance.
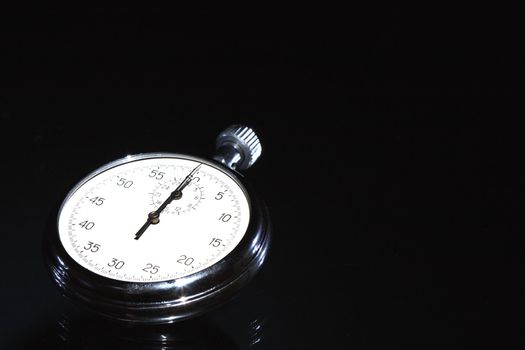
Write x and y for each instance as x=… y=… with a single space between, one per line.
x=154 y=216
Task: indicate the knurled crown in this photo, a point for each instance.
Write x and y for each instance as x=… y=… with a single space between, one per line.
x=245 y=140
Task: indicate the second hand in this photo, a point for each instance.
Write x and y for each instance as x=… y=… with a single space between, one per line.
x=154 y=216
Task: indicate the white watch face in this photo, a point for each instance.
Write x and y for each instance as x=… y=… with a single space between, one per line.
x=99 y=220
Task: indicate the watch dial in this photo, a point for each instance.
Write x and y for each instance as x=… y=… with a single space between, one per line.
x=101 y=216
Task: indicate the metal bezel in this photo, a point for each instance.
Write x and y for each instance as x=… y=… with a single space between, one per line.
x=161 y=301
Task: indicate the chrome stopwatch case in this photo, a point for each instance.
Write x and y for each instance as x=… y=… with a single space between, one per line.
x=160 y=237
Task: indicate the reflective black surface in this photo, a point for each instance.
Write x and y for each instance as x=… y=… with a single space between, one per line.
x=396 y=211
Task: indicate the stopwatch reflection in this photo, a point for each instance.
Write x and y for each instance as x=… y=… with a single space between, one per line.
x=96 y=333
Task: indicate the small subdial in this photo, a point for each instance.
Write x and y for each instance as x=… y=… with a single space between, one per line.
x=191 y=197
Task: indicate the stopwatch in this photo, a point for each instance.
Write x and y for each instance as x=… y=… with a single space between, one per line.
x=156 y=238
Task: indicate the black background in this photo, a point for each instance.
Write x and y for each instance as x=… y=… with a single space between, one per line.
x=391 y=184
